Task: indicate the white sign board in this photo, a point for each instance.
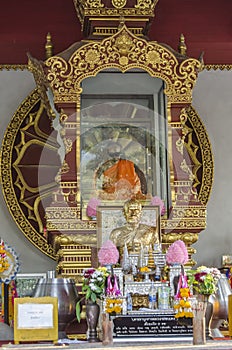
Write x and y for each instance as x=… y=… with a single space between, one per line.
x=35 y=316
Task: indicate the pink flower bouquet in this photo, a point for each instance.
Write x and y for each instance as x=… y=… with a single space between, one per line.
x=92 y=207
x=158 y=201
x=108 y=254
x=177 y=253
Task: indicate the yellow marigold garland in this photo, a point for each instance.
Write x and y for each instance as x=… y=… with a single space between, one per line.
x=113 y=305
x=182 y=304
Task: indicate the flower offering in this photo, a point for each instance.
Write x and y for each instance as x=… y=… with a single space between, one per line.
x=177 y=253
x=93 y=286
x=204 y=279
x=108 y=254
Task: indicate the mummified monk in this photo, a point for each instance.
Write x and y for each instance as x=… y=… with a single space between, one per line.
x=121 y=178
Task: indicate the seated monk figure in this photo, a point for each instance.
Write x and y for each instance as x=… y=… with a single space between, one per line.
x=134 y=233
x=121 y=177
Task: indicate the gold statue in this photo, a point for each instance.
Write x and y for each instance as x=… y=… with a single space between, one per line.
x=134 y=233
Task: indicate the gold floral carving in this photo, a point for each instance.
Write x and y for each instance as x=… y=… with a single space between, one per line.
x=183 y=224
x=119 y=3
x=65 y=168
x=123 y=51
x=97 y=8
x=92 y=3
x=68 y=144
x=189 y=238
x=142 y=4
x=190 y=217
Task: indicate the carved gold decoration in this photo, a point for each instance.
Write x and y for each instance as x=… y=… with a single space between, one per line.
x=72 y=260
x=36 y=67
x=86 y=239
x=189 y=238
x=200 y=155
x=182 y=46
x=118 y=4
x=136 y=10
x=192 y=149
x=13 y=67
x=140 y=300
x=49 y=46
x=123 y=51
x=217 y=66
x=61 y=214
x=180 y=145
x=108 y=31
x=187 y=170
x=185 y=192
x=25 y=218
x=185 y=217
x=143 y=4
x=124 y=44
x=93 y=3
x=68 y=145
x=206 y=155
x=65 y=168
x=207 y=67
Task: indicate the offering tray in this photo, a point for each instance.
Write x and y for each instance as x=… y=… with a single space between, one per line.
x=146 y=274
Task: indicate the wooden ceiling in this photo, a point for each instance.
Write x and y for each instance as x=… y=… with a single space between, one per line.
x=206 y=25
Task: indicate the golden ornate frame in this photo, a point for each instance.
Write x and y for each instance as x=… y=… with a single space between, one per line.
x=125 y=51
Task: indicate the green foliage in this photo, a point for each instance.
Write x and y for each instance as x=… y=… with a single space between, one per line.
x=203 y=280
x=93 y=287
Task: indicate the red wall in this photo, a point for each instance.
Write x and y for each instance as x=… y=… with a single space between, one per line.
x=206 y=25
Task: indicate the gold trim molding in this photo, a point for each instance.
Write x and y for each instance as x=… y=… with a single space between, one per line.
x=13 y=67
x=207 y=67
x=217 y=66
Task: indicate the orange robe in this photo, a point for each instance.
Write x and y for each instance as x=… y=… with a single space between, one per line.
x=122 y=180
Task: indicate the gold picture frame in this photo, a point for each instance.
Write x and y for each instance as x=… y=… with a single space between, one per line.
x=35 y=319
x=111 y=217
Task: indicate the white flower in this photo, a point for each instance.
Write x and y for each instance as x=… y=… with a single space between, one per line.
x=92 y=286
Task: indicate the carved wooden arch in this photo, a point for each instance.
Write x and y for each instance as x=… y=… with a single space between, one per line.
x=123 y=51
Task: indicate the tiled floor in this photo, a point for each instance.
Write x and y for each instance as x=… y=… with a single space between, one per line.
x=172 y=345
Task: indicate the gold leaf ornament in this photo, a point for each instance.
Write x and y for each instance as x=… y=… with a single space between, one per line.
x=153 y=58
x=118 y=4
x=124 y=44
x=92 y=57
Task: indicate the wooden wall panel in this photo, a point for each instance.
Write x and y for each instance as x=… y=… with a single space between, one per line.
x=206 y=24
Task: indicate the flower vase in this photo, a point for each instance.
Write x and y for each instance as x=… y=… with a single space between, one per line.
x=92 y=315
x=199 y=308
